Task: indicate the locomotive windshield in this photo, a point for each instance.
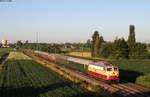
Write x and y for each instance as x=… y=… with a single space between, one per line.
x=109 y=69
x=115 y=69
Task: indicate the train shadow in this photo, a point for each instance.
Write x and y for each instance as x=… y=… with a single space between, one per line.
x=129 y=75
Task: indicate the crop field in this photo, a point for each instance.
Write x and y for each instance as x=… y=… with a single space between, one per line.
x=82 y=54
x=4 y=51
x=85 y=55
x=25 y=78
x=18 y=56
x=3 y=54
x=149 y=50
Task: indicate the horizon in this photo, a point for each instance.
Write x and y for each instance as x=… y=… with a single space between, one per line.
x=63 y=21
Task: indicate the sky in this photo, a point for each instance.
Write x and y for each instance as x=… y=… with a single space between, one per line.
x=60 y=21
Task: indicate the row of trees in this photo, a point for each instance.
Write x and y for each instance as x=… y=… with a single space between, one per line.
x=120 y=48
x=53 y=47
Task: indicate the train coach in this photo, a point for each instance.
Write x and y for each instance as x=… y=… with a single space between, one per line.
x=104 y=70
x=45 y=55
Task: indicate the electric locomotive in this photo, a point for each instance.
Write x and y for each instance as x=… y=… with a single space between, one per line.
x=104 y=70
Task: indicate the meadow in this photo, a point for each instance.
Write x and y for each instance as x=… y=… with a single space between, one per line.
x=4 y=51
x=22 y=77
x=137 y=71
x=3 y=55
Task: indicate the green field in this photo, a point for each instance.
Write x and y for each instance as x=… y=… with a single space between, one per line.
x=3 y=54
x=136 y=71
x=26 y=78
x=4 y=50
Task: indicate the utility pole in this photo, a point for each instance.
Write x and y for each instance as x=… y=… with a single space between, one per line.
x=37 y=41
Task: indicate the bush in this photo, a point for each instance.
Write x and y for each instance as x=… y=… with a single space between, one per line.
x=144 y=80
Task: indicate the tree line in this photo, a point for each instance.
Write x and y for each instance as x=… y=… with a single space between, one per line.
x=119 y=48
x=54 y=47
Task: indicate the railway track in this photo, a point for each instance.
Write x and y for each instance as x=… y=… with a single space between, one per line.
x=123 y=89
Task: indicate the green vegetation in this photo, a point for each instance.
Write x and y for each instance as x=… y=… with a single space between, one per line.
x=17 y=56
x=96 y=44
x=3 y=54
x=119 y=49
x=51 y=48
x=134 y=71
x=144 y=80
x=56 y=48
x=25 y=78
x=4 y=51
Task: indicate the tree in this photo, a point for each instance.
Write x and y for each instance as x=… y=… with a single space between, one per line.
x=131 y=41
x=101 y=41
x=131 y=38
x=106 y=50
x=88 y=43
x=141 y=51
x=95 y=44
x=124 y=48
x=19 y=44
x=26 y=42
x=120 y=48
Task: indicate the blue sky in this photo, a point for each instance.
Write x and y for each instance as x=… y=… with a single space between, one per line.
x=73 y=20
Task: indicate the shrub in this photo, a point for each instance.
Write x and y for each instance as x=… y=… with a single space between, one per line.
x=144 y=80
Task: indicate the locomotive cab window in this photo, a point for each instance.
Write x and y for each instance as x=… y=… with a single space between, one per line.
x=115 y=69
x=109 y=69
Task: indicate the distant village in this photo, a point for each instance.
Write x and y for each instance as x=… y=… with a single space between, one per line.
x=4 y=44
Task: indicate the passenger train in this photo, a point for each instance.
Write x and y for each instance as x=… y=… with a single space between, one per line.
x=45 y=55
x=100 y=69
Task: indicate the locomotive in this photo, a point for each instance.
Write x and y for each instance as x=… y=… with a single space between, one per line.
x=104 y=70
x=100 y=69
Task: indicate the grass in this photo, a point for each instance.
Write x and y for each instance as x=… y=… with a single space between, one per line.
x=81 y=49
x=135 y=71
x=22 y=77
x=3 y=54
x=17 y=56
x=4 y=50
x=137 y=66
x=144 y=80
